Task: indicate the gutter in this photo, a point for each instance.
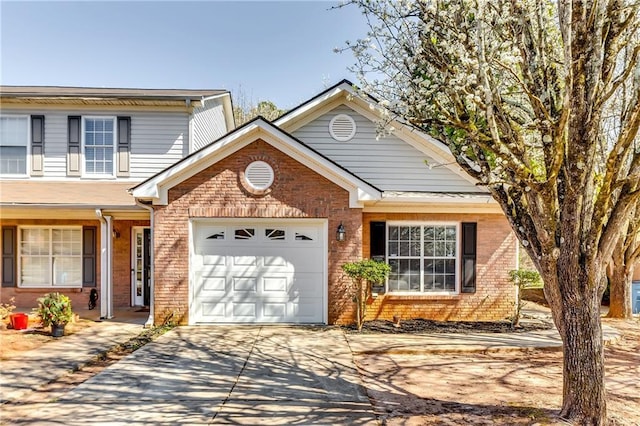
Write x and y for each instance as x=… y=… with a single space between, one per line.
x=106 y=263
x=152 y=286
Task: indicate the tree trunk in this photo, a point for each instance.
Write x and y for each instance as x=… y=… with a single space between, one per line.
x=620 y=276
x=576 y=311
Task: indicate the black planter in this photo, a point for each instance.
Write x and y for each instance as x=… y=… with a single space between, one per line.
x=57 y=330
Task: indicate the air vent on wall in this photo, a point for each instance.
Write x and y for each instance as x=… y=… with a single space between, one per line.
x=342 y=127
x=259 y=175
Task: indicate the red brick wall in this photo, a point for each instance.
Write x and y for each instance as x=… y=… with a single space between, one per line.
x=495 y=295
x=219 y=191
x=27 y=297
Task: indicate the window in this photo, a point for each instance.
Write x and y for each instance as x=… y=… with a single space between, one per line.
x=99 y=137
x=423 y=258
x=14 y=139
x=244 y=234
x=50 y=257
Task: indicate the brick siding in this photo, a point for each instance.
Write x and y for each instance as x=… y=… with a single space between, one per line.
x=219 y=191
x=495 y=295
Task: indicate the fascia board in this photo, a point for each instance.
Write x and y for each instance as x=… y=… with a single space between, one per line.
x=285 y=121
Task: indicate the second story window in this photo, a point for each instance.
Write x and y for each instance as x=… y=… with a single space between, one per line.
x=14 y=138
x=99 y=137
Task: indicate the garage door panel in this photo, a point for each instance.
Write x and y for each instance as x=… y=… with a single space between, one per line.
x=269 y=278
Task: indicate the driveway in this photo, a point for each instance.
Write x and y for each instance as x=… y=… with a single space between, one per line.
x=220 y=375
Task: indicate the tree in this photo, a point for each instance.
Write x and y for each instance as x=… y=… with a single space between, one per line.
x=620 y=271
x=364 y=273
x=520 y=90
x=246 y=110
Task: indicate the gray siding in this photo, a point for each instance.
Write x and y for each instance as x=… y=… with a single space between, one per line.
x=157 y=139
x=388 y=163
x=208 y=123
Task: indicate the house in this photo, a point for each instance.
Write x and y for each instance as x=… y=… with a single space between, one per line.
x=67 y=159
x=255 y=226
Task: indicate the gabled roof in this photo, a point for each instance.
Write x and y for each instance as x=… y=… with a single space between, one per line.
x=344 y=92
x=106 y=96
x=156 y=188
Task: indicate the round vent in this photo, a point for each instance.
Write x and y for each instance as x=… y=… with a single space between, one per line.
x=259 y=175
x=342 y=127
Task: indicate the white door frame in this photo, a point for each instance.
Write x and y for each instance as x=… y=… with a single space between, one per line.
x=135 y=230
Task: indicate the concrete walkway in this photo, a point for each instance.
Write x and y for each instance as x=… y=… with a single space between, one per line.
x=225 y=374
x=54 y=359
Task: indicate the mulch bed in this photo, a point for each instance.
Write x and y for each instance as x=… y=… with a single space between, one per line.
x=417 y=326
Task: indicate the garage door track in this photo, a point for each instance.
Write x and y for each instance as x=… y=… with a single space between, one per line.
x=221 y=375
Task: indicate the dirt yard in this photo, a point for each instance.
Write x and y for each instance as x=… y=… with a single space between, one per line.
x=14 y=342
x=517 y=388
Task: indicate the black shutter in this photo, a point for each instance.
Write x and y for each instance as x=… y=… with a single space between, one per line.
x=124 y=146
x=9 y=256
x=469 y=231
x=378 y=241
x=74 y=129
x=89 y=256
x=37 y=145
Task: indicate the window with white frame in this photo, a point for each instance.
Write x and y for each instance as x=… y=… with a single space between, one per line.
x=14 y=139
x=50 y=257
x=423 y=258
x=99 y=142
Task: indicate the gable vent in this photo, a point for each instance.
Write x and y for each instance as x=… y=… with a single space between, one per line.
x=342 y=127
x=259 y=175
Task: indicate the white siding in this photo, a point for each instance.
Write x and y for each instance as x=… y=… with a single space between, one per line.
x=388 y=163
x=208 y=123
x=158 y=139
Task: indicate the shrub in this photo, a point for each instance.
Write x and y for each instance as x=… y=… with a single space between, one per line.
x=524 y=279
x=7 y=308
x=54 y=308
x=364 y=273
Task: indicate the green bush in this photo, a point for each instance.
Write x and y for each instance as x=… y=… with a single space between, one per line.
x=364 y=273
x=54 y=308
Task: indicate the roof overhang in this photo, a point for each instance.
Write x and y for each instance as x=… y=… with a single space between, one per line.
x=434 y=202
x=156 y=189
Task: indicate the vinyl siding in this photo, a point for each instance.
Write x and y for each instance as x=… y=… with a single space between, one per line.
x=208 y=123
x=388 y=163
x=157 y=140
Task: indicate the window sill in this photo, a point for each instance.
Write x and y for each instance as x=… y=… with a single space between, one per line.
x=47 y=289
x=422 y=296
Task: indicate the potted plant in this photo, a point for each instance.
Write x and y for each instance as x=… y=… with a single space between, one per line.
x=54 y=309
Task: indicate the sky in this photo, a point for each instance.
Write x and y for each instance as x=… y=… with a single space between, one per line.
x=261 y=50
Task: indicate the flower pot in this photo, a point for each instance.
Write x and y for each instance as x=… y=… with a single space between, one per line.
x=57 y=330
x=19 y=321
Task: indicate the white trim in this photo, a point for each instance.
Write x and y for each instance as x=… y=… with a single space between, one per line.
x=84 y=173
x=27 y=159
x=157 y=187
x=458 y=257
x=50 y=256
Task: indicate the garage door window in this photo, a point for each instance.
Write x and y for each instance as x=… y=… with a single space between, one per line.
x=245 y=234
x=423 y=258
x=275 y=234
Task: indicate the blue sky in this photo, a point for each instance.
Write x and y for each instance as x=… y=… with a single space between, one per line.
x=278 y=51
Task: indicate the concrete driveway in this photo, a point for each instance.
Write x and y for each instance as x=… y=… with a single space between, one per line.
x=220 y=375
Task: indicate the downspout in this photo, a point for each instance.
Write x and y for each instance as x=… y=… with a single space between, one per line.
x=150 y=321
x=106 y=272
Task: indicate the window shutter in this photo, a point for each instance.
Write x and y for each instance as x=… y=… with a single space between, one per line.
x=9 y=256
x=89 y=256
x=378 y=240
x=469 y=231
x=124 y=146
x=37 y=145
x=73 y=147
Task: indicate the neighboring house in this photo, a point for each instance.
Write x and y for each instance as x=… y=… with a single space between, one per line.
x=256 y=226
x=67 y=158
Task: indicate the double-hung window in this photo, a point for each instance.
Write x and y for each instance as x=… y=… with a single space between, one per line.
x=14 y=140
x=423 y=257
x=99 y=145
x=50 y=257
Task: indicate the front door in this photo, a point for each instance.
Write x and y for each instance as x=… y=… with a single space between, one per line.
x=141 y=266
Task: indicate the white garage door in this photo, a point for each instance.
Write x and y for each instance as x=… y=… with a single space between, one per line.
x=262 y=272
